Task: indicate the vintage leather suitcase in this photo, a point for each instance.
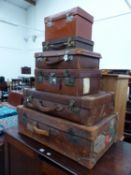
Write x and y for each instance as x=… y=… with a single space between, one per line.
x=87 y=110
x=67 y=59
x=68 y=81
x=70 y=42
x=70 y=23
x=25 y=70
x=83 y=144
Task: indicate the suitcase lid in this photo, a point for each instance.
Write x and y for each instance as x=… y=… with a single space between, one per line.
x=84 y=102
x=68 y=127
x=69 y=14
x=69 y=40
x=66 y=52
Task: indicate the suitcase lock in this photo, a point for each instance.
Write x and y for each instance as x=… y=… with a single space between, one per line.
x=68 y=57
x=73 y=108
x=40 y=77
x=68 y=80
x=28 y=99
x=53 y=79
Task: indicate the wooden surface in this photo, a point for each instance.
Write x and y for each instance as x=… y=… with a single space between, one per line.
x=118 y=84
x=30 y=160
x=1 y=155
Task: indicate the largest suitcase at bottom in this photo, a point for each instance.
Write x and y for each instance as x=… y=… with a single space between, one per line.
x=84 y=145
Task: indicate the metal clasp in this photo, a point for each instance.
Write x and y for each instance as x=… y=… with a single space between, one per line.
x=68 y=57
x=69 y=17
x=53 y=79
x=46 y=46
x=49 y=22
x=73 y=108
x=68 y=80
x=40 y=77
x=28 y=99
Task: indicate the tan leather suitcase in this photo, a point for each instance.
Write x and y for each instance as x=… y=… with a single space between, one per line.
x=67 y=59
x=73 y=82
x=70 y=23
x=82 y=144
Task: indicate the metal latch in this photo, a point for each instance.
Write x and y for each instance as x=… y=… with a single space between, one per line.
x=70 y=42
x=40 y=77
x=69 y=17
x=68 y=80
x=49 y=22
x=46 y=46
x=53 y=78
x=73 y=108
x=68 y=57
x=28 y=99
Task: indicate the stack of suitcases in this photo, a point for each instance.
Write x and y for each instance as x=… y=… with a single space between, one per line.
x=67 y=111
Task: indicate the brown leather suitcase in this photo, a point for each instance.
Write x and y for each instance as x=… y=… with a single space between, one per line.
x=84 y=145
x=87 y=110
x=70 y=42
x=67 y=59
x=73 y=22
x=68 y=81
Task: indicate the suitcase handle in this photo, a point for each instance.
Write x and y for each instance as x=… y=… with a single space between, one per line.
x=57 y=47
x=40 y=131
x=47 y=109
x=69 y=43
x=54 y=61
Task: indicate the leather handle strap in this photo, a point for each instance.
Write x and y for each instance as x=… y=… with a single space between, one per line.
x=46 y=108
x=40 y=131
x=57 y=46
x=54 y=61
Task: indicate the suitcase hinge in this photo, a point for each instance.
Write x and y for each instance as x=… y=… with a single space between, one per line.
x=68 y=80
x=69 y=17
x=49 y=22
x=73 y=108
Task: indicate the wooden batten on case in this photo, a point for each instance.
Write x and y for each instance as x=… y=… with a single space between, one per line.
x=73 y=22
x=84 y=145
x=67 y=59
x=75 y=82
x=87 y=110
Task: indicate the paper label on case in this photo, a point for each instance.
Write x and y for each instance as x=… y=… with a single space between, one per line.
x=99 y=143
x=86 y=85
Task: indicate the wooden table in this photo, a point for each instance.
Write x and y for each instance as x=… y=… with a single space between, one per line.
x=25 y=156
x=1 y=155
